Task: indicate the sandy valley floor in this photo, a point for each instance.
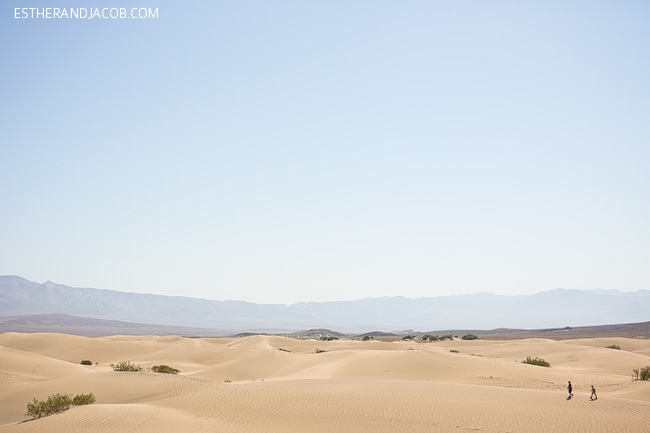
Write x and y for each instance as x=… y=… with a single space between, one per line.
x=273 y=384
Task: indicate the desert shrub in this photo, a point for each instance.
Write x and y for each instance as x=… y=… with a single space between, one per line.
x=86 y=362
x=284 y=350
x=164 y=369
x=408 y=337
x=470 y=337
x=613 y=346
x=536 y=361
x=328 y=338
x=454 y=351
x=126 y=366
x=57 y=403
x=641 y=374
x=367 y=338
x=83 y=399
x=436 y=338
x=320 y=351
x=644 y=373
x=227 y=380
x=36 y=408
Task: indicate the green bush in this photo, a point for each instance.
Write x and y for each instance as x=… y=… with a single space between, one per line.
x=164 y=369
x=86 y=362
x=613 y=346
x=367 y=338
x=454 y=351
x=83 y=399
x=408 y=337
x=536 y=361
x=57 y=403
x=645 y=373
x=642 y=374
x=470 y=337
x=126 y=366
x=36 y=409
x=328 y=338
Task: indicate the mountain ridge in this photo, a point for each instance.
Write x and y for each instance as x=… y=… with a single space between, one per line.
x=483 y=310
x=61 y=323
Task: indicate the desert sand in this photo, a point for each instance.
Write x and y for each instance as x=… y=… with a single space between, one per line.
x=274 y=384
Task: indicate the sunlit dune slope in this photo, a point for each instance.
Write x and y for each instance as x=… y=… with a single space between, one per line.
x=274 y=384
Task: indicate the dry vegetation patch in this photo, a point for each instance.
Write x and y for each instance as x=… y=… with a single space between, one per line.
x=57 y=403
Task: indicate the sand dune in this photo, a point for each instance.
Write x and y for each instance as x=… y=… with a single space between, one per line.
x=274 y=384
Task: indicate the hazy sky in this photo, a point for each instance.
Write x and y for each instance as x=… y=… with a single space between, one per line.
x=287 y=151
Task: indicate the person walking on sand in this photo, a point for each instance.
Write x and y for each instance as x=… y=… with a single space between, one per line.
x=593 y=393
x=570 y=388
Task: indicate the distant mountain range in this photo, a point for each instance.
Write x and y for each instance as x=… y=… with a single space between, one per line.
x=551 y=309
x=66 y=324
x=73 y=325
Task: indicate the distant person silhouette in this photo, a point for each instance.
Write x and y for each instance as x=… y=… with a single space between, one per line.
x=570 y=388
x=593 y=393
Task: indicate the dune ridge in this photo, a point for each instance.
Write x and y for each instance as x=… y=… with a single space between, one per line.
x=276 y=384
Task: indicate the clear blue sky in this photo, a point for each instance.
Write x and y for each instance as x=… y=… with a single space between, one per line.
x=286 y=151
